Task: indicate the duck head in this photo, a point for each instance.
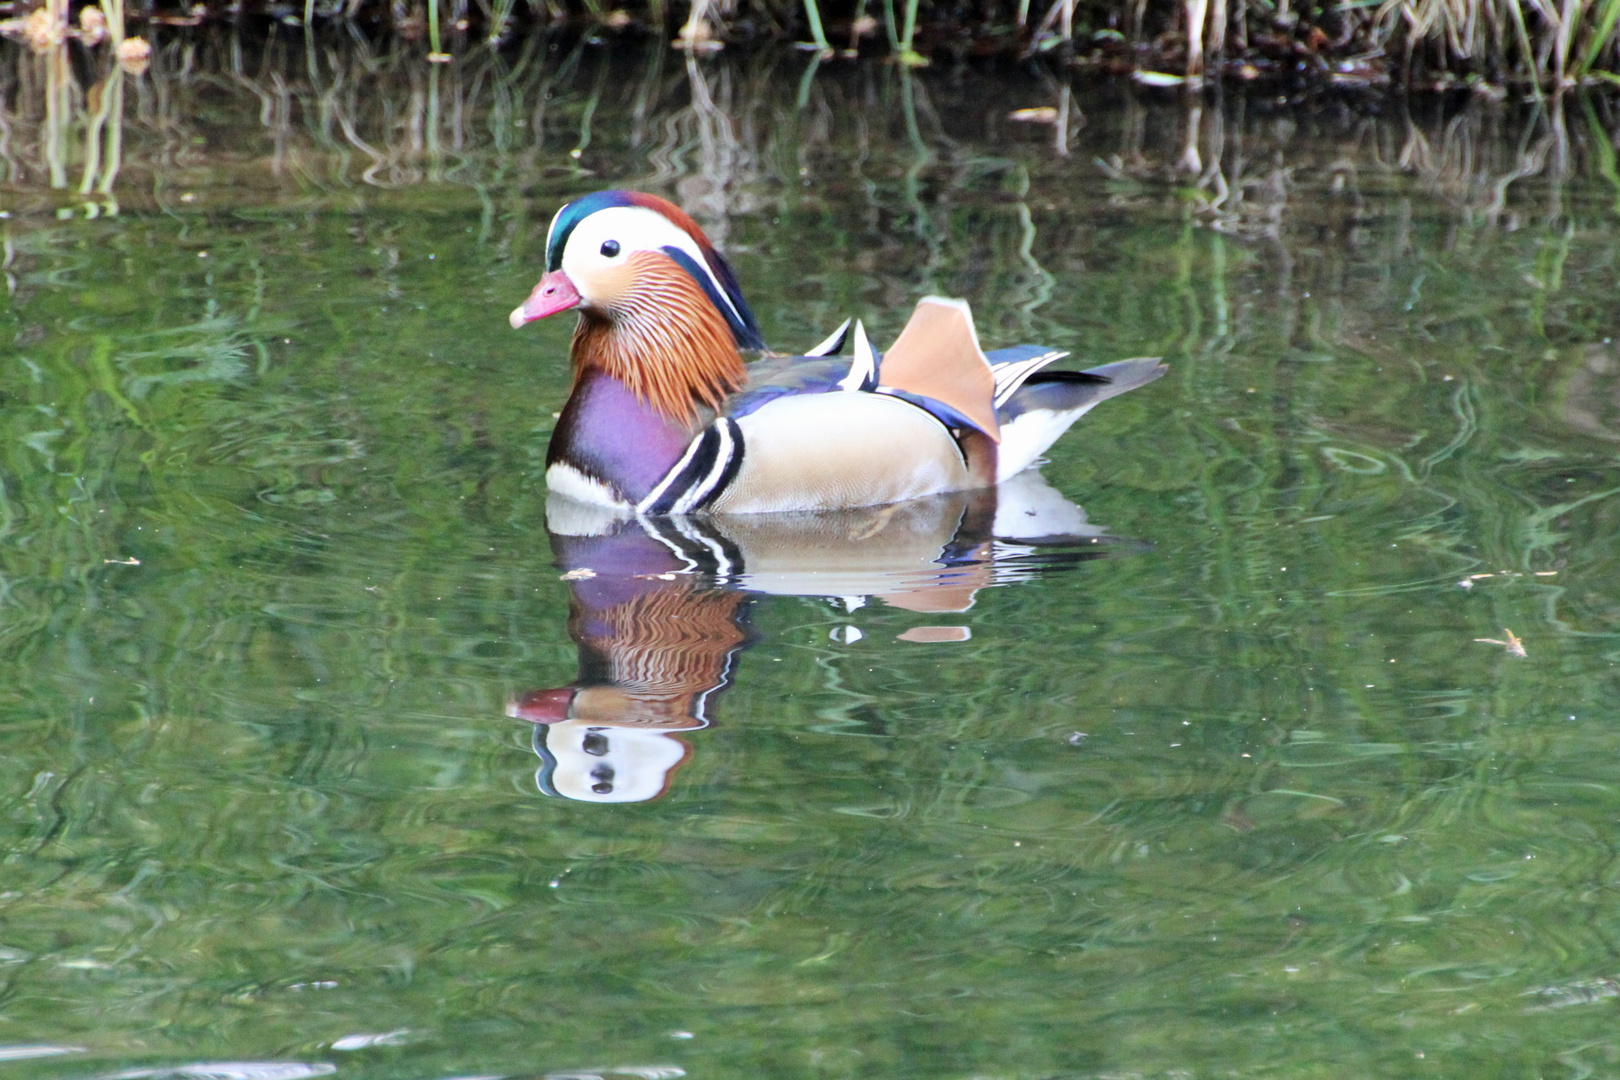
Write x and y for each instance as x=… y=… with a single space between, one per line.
x=659 y=309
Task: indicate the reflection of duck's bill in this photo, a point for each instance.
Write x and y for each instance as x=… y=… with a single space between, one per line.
x=542 y=706
x=601 y=764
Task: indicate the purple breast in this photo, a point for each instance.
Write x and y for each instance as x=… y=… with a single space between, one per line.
x=610 y=435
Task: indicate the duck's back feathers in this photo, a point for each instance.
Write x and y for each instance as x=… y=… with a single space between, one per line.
x=787 y=376
x=816 y=432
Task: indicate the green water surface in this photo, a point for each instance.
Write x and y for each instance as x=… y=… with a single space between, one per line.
x=1247 y=797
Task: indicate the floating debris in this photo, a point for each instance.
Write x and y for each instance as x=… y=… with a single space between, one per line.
x=24 y=1051
x=1468 y=582
x=134 y=55
x=584 y=573
x=1583 y=992
x=1513 y=645
x=92 y=25
x=362 y=1042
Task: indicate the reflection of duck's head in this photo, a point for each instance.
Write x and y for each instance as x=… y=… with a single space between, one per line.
x=654 y=649
x=649 y=666
x=601 y=763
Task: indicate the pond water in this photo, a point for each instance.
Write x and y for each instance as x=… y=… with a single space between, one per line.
x=1235 y=788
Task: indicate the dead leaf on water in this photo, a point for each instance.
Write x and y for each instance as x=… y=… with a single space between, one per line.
x=1513 y=645
x=1157 y=78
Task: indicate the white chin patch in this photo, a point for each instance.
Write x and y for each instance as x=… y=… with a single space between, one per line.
x=569 y=482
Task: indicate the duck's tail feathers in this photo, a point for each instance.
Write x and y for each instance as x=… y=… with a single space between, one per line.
x=1011 y=368
x=1042 y=405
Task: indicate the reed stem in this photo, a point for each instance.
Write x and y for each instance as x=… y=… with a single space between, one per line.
x=433 y=28
x=907 y=54
x=813 y=13
x=1602 y=34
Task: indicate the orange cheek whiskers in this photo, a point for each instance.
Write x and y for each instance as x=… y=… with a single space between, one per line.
x=662 y=337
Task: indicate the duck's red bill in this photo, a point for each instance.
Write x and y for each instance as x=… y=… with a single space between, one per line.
x=554 y=293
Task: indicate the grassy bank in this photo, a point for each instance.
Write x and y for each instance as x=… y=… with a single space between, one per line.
x=1491 y=46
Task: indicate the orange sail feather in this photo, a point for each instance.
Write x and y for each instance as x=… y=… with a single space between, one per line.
x=937 y=355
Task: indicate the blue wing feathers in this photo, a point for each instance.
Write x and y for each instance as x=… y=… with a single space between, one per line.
x=786 y=376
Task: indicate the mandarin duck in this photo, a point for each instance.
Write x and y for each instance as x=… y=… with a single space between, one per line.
x=666 y=417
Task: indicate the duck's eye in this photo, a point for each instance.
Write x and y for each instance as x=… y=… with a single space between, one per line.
x=610 y=248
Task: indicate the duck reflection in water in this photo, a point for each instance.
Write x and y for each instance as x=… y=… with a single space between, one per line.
x=659 y=608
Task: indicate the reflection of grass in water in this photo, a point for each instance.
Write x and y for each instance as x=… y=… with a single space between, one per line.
x=1249 y=462
x=357 y=103
x=213 y=350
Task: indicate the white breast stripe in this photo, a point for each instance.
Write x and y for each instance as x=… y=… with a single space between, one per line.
x=669 y=478
x=698 y=492
x=724 y=436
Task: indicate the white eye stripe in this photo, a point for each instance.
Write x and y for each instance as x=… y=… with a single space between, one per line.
x=551 y=230
x=633 y=228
